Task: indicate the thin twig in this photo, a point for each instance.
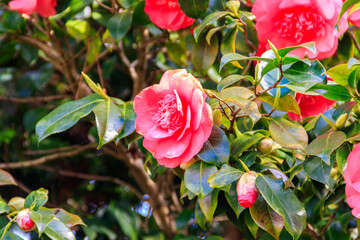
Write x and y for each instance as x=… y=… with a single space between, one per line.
x=41 y=160
x=86 y=176
x=34 y=99
x=355 y=41
x=50 y=151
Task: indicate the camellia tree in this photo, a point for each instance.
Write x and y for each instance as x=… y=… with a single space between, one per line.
x=178 y=119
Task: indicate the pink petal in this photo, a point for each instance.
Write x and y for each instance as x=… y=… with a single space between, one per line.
x=23 y=6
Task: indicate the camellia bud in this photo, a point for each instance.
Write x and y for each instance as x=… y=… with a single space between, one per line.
x=24 y=221
x=266 y=145
x=340 y=122
x=247 y=191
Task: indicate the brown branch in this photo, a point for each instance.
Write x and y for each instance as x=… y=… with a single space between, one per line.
x=41 y=160
x=309 y=229
x=272 y=86
x=49 y=151
x=34 y=99
x=86 y=176
x=356 y=44
x=332 y=217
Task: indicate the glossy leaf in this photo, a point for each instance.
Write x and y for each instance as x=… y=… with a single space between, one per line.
x=309 y=46
x=95 y=87
x=4 y=208
x=324 y=145
x=232 y=199
x=129 y=120
x=36 y=199
x=16 y=203
x=78 y=29
x=231 y=79
x=208 y=204
x=203 y=54
x=332 y=92
x=109 y=121
x=208 y=20
x=199 y=215
x=284 y=202
x=288 y=134
x=344 y=108
x=194 y=9
x=66 y=115
x=196 y=178
x=6 y=178
x=119 y=25
x=317 y=169
x=41 y=220
x=216 y=149
x=248 y=106
x=127 y=220
x=57 y=230
x=68 y=218
x=286 y=103
x=267 y=218
x=302 y=76
x=230 y=57
x=339 y=74
x=224 y=176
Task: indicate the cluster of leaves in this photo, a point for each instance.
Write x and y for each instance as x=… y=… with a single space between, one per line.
x=300 y=179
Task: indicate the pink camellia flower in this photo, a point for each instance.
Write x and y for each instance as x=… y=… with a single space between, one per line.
x=311 y=105
x=24 y=221
x=173 y=117
x=352 y=180
x=247 y=191
x=45 y=8
x=166 y=14
x=292 y=22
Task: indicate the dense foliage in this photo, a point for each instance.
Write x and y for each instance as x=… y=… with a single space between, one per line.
x=105 y=135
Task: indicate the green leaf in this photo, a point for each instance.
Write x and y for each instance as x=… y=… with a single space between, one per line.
x=216 y=149
x=194 y=8
x=324 y=145
x=199 y=215
x=232 y=199
x=95 y=87
x=309 y=46
x=339 y=74
x=232 y=92
x=332 y=91
x=344 y=108
x=16 y=203
x=209 y=19
x=41 y=220
x=317 y=169
x=243 y=142
x=352 y=62
x=66 y=115
x=341 y=157
x=224 y=176
x=78 y=29
x=231 y=79
x=266 y=217
x=288 y=134
x=127 y=220
x=36 y=199
x=11 y=236
x=302 y=76
x=6 y=178
x=286 y=103
x=177 y=53
x=129 y=120
x=209 y=203
x=109 y=121
x=65 y=217
x=228 y=44
x=4 y=208
x=354 y=79
x=119 y=25
x=196 y=178
x=203 y=54
x=284 y=202
x=57 y=230
x=230 y=57
x=251 y=224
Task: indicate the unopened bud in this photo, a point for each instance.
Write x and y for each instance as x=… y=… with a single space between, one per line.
x=247 y=191
x=24 y=221
x=340 y=122
x=265 y=146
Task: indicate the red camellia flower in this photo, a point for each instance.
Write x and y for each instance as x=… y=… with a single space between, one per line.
x=311 y=105
x=45 y=8
x=247 y=191
x=174 y=118
x=166 y=14
x=352 y=180
x=24 y=221
x=292 y=22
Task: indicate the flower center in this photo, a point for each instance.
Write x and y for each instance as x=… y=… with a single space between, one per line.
x=300 y=25
x=170 y=113
x=171 y=3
